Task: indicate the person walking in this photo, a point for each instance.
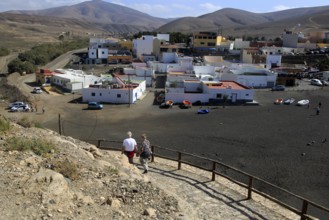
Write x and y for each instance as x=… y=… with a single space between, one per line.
x=129 y=146
x=144 y=153
x=317 y=110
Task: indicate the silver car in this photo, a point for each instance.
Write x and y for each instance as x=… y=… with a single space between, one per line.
x=23 y=108
x=16 y=104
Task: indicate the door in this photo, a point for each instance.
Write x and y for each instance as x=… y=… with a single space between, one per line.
x=234 y=97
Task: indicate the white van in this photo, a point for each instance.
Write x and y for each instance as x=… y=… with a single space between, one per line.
x=316 y=82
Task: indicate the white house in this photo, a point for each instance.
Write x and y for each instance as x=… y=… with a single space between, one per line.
x=289 y=39
x=98 y=50
x=239 y=44
x=205 y=73
x=209 y=92
x=273 y=60
x=251 y=77
x=143 y=45
x=172 y=62
x=114 y=91
x=165 y=37
x=72 y=80
x=141 y=72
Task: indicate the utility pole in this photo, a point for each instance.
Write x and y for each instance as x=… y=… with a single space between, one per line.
x=129 y=89
x=59 y=124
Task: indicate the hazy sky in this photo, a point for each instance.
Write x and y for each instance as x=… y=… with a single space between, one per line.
x=172 y=8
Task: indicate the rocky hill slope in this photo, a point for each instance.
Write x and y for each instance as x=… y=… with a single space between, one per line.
x=48 y=176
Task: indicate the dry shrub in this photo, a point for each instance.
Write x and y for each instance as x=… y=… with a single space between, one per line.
x=4 y=124
x=66 y=168
x=25 y=122
x=36 y=145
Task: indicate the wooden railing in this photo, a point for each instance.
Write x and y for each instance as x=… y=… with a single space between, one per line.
x=216 y=165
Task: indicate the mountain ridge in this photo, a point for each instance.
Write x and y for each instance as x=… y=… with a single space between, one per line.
x=108 y=19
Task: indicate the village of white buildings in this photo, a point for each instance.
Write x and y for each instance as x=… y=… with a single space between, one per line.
x=206 y=79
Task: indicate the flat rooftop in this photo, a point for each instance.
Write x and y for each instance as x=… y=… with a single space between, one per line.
x=225 y=85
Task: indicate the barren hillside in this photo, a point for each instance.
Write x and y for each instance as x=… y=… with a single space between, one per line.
x=64 y=178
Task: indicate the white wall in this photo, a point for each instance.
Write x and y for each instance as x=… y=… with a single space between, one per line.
x=129 y=71
x=165 y=37
x=144 y=45
x=192 y=97
x=273 y=59
x=134 y=65
x=168 y=57
x=143 y=71
x=229 y=77
x=241 y=95
x=92 y=53
x=289 y=40
x=103 y=53
x=193 y=86
x=118 y=96
x=240 y=44
x=204 y=70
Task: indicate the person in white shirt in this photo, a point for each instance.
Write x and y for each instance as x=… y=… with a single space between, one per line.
x=129 y=147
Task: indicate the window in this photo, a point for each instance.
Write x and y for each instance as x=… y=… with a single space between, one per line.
x=247 y=94
x=219 y=96
x=118 y=95
x=93 y=94
x=100 y=94
x=202 y=43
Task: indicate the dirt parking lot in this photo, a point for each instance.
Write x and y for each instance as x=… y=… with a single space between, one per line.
x=283 y=144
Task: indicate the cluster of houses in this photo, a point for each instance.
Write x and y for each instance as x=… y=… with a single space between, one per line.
x=212 y=81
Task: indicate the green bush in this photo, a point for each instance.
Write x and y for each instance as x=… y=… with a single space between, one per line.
x=4 y=51
x=4 y=125
x=36 y=145
x=43 y=54
x=25 y=122
x=19 y=66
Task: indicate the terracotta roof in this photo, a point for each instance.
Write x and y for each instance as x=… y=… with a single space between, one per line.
x=225 y=85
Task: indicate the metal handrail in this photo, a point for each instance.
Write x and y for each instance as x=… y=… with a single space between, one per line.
x=305 y=202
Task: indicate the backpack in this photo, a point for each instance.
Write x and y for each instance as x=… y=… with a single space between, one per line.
x=147 y=151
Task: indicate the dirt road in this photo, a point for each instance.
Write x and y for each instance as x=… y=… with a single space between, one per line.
x=4 y=62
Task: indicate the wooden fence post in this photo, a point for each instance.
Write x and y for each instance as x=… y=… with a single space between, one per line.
x=179 y=160
x=152 y=156
x=98 y=143
x=213 y=171
x=250 y=186
x=59 y=124
x=304 y=210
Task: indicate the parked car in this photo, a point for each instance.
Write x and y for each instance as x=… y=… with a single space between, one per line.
x=94 y=105
x=278 y=88
x=23 y=108
x=324 y=83
x=316 y=82
x=16 y=104
x=278 y=101
x=37 y=90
